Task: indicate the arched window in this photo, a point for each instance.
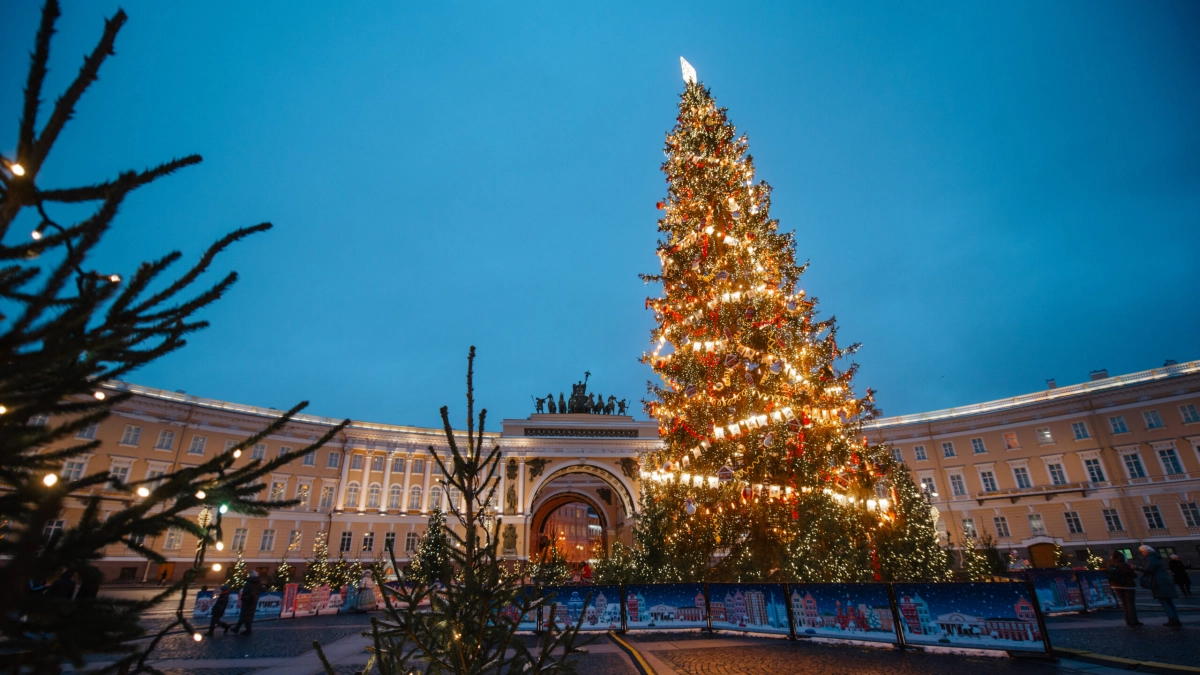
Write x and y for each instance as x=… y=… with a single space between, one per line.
x=373 y=494
x=435 y=498
x=414 y=498
x=394 y=496
x=352 y=496
x=454 y=496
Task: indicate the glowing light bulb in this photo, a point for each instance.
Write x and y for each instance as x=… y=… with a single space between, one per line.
x=197 y=637
x=115 y=278
x=216 y=567
x=237 y=453
x=99 y=395
x=36 y=235
x=17 y=169
x=199 y=494
x=223 y=508
x=143 y=491
x=220 y=546
x=50 y=479
x=3 y=410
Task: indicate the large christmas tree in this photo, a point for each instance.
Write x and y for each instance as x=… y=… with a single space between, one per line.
x=764 y=472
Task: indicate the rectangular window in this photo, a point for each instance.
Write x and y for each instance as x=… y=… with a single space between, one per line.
x=1080 y=430
x=948 y=449
x=259 y=451
x=435 y=469
x=1112 y=520
x=1074 y=524
x=284 y=451
x=928 y=486
x=1057 y=475
x=377 y=462
x=72 y=469
x=174 y=539
x=267 y=543
x=1154 y=519
x=1153 y=421
x=346 y=543
x=398 y=464
x=1095 y=471
x=977 y=446
x=356 y=462
x=166 y=440
x=40 y=420
x=294 y=538
x=310 y=459
x=327 y=497
x=302 y=492
x=53 y=529
x=335 y=460
x=418 y=467
x=1191 y=514
x=1117 y=422
x=239 y=539
x=919 y=453
x=1189 y=414
x=1010 y=441
x=197 y=446
x=1021 y=474
x=1037 y=526
x=958 y=487
x=988 y=479
x=277 y=489
x=1001 y=523
x=88 y=433
x=897 y=455
x=1133 y=465
x=1044 y=437
x=368 y=544
x=1170 y=461
x=229 y=445
x=155 y=472
x=969 y=528
x=411 y=540
x=132 y=435
x=118 y=475
x=389 y=542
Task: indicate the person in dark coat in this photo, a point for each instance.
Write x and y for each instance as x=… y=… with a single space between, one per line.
x=218 y=611
x=250 y=593
x=90 y=579
x=1123 y=579
x=63 y=587
x=1158 y=580
x=1180 y=573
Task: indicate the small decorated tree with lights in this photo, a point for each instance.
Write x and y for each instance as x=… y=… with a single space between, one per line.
x=319 y=572
x=283 y=575
x=975 y=566
x=1094 y=562
x=764 y=467
x=237 y=574
x=431 y=562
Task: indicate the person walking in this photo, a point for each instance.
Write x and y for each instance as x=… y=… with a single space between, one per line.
x=1180 y=573
x=63 y=587
x=1123 y=579
x=218 y=611
x=1157 y=579
x=250 y=593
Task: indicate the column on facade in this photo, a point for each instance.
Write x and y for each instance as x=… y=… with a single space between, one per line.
x=366 y=480
x=520 y=486
x=425 y=489
x=407 y=481
x=502 y=485
x=388 y=458
x=340 y=502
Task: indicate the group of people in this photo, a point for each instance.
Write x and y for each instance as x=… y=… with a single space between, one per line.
x=249 y=598
x=1159 y=576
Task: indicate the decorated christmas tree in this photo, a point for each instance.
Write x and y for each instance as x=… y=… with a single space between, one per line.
x=432 y=559
x=318 y=572
x=975 y=566
x=339 y=573
x=283 y=575
x=764 y=472
x=237 y=575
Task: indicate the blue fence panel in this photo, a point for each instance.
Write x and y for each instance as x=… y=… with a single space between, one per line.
x=843 y=611
x=1057 y=590
x=601 y=612
x=1097 y=592
x=665 y=606
x=753 y=608
x=975 y=615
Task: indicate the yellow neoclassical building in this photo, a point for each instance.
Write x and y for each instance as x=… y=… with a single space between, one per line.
x=1106 y=464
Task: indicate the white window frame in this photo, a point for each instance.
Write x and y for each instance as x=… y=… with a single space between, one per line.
x=1149 y=510
x=1073 y=521
x=131 y=436
x=310 y=459
x=1118 y=425
x=959 y=488
x=1111 y=517
x=83 y=464
x=240 y=535
x=198 y=444
x=1191 y=513
x=304 y=491
x=1169 y=447
x=1132 y=452
x=968 y=525
x=1019 y=471
x=411 y=541
x=978 y=447
x=169 y=436
x=1011 y=436
x=948 y=450
x=1188 y=413
x=1044 y=436
x=1038 y=530
x=259 y=451
x=88 y=433
x=1077 y=428
x=328 y=497
x=334 y=460
x=1003 y=530
x=266 y=541
x=1153 y=419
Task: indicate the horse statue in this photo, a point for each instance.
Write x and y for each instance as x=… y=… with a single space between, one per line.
x=610 y=406
x=550 y=401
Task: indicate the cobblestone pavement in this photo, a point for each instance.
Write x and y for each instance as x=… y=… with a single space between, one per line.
x=1106 y=633
x=271 y=639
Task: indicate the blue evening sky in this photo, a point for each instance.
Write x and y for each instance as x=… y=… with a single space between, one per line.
x=991 y=194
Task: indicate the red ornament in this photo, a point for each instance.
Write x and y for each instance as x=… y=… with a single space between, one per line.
x=659 y=206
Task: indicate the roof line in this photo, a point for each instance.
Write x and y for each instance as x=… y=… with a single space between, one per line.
x=1152 y=375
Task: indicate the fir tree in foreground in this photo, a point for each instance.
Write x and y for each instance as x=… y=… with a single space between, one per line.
x=764 y=473
x=465 y=624
x=68 y=326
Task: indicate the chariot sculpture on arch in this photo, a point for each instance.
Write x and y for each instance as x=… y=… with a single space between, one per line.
x=580 y=402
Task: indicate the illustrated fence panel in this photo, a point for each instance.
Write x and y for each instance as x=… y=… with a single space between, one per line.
x=975 y=615
x=601 y=612
x=753 y=608
x=300 y=602
x=1097 y=592
x=665 y=606
x=843 y=611
x=269 y=604
x=1057 y=590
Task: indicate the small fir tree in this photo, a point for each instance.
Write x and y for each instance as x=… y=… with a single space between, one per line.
x=1061 y=560
x=431 y=562
x=283 y=575
x=975 y=565
x=237 y=574
x=552 y=569
x=995 y=559
x=616 y=568
x=319 y=572
x=1095 y=562
x=339 y=576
